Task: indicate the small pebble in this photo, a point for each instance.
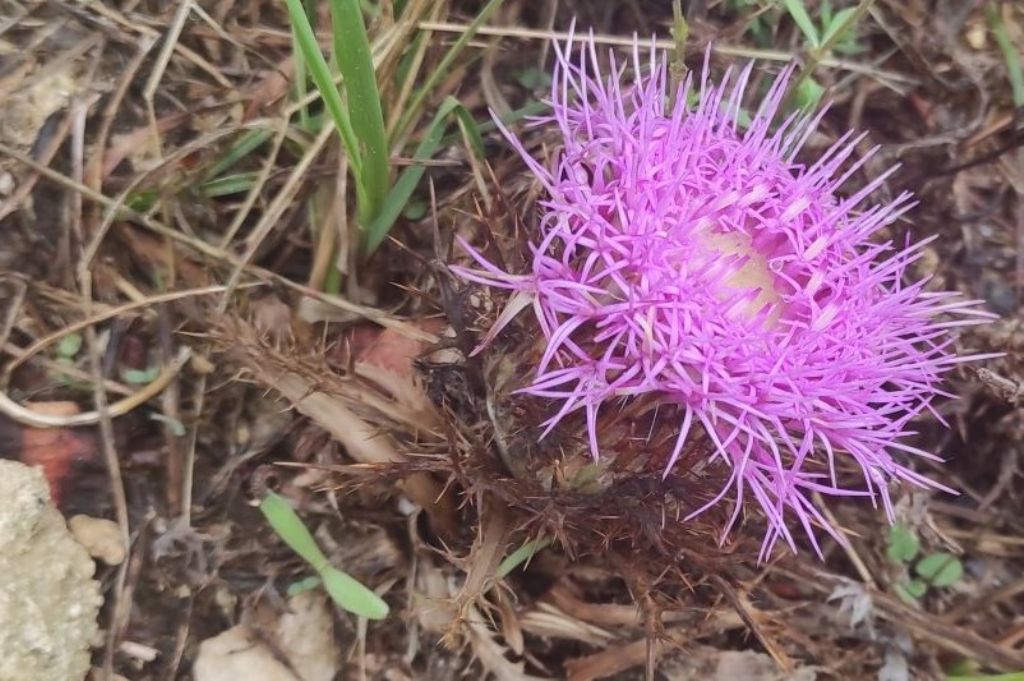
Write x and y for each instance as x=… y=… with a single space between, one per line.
x=100 y=537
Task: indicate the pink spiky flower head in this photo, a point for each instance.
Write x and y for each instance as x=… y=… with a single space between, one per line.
x=683 y=254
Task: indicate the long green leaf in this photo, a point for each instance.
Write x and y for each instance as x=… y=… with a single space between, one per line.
x=290 y=528
x=470 y=129
x=514 y=116
x=320 y=72
x=353 y=596
x=521 y=555
x=1010 y=54
x=799 y=13
x=352 y=54
x=442 y=69
x=300 y=81
x=246 y=144
x=410 y=177
x=342 y=588
x=226 y=185
x=838 y=25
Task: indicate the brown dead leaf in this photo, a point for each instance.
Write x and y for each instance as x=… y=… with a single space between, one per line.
x=238 y=654
x=366 y=444
x=387 y=359
x=550 y=622
x=432 y=598
x=705 y=662
x=612 y=660
x=491 y=654
x=136 y=145
x=273 y=317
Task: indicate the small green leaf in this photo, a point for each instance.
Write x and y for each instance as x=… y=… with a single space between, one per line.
x=295 y=588
x=940 y=569
x=226 y=185
x=286 y=522
x=521 y=555
x=321 y=75
x=415 y=210
x=533 y=78
x=343 y=589
x=903 y=544
x=247 y=143
x=912 y=590
x=176 y=426
x=799 y=13
x=809 y=93
x=140 y=376
x=353 y=596
x=142 y=201
x=825 y=12
x=69 y=345
x=837 y=24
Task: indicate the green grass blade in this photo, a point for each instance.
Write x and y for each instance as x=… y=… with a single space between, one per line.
x=410 y=177
x=246 y=144
x=514 y=116
x=470 y=130
x=307 y=584
x=1010 y=54
x=226 y=185
x=353 y=596
x=521 y=555
x=290 y=528
x=838 y=25
x=320 y=72
x=442 y=69
x=799 y=13
x=352 y=53
x=300 y=80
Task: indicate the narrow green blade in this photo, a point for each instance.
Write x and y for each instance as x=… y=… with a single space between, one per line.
x=352 y=54
x=353 y=596
x=287 y=524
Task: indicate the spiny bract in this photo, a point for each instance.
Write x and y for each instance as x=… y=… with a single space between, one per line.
x=685 y=252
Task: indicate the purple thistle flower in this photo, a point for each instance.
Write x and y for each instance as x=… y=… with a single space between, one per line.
x=685 y=255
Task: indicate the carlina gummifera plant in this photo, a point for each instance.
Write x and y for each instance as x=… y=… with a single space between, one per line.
x=682 y=255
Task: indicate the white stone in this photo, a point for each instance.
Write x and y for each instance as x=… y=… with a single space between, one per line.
x=48 y=599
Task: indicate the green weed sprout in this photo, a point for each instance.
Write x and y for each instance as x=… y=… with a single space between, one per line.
x=834 y=34
x=348 y=593
x=939 y=569
x=521 y=555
